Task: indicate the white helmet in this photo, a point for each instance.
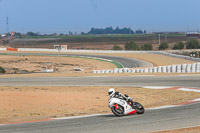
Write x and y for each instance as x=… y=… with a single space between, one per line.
x=111 y=92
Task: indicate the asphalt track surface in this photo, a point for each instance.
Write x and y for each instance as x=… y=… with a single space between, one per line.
x=132 y=81
x=151 y=120
x=126 y=62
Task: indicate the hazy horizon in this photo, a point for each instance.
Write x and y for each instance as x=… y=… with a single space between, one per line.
x=62 y=16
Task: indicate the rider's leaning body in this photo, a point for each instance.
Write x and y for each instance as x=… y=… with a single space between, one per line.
x=112 y=93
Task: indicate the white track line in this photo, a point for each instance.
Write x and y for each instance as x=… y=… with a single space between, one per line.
x=187 y=89
x=196 y=100
x=156 y=87
x=163 y=107
x=76 y=117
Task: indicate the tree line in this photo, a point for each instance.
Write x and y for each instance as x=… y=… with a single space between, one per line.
x=190 y=44
x=133 y=46
x=111 y=30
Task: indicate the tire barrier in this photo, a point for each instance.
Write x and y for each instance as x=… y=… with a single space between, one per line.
x=198 y=67
x=180 y=68
x=169 y=69
x=183 y=68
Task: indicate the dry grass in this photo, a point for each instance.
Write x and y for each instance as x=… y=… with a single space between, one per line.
x=33 y=103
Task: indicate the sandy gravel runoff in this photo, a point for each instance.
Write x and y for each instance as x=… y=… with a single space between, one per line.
x=20 y=104
x=60 y=64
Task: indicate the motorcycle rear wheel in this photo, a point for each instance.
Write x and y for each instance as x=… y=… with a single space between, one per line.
x=118 y=112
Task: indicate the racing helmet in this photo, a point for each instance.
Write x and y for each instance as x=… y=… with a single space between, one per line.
x=111 y=92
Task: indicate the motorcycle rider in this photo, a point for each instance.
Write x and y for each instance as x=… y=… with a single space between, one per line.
x=112 y=93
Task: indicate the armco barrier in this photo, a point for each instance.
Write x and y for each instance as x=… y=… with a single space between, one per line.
x=180 y=68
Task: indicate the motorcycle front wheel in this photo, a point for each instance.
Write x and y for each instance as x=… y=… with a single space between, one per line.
x=118 y=112
x=139 y=108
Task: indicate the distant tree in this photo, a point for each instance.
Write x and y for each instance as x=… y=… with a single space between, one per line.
x=116 y=47
x=131 y=46
x=61 y=34
x=139 y=31
x=31 y=34
x=163 y=46
x=2 y=70
x=147 y=47
x=71 y=33
x=8 y=34
x=179 y=45
x=17 y=34
x=192 y=44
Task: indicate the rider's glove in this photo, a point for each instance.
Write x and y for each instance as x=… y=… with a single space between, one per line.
x=129 y=98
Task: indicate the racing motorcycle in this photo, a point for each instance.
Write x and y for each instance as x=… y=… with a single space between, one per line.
x=120 y=107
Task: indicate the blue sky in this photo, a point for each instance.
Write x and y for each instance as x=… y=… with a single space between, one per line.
x=48 y=16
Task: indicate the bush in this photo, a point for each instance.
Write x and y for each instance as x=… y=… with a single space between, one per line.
x=116 y=47
x=2 y=70
x=163 y=46
x=5 y=42
x=147 y=47
x=192 y=44
x=179 y=45
x=131 y=46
